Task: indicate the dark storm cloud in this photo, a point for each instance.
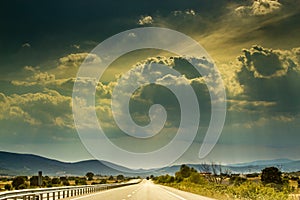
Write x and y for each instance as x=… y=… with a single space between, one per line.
x=271 y=75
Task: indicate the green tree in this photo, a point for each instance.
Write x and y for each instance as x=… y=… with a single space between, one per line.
x=47 y=181
x=90 y=176
x=80 y=181
x=34 y=181
x=111 y=178
x=103 y=181
x=196 y=178
x=65 y=183
x=185 y=171
x=271 y=175
x=22 y=186
x=17 y=182
x=120 y=177
x=237 y=180
x=55 y=181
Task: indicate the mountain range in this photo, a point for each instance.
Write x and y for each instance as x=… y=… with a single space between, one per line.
x=28 y=164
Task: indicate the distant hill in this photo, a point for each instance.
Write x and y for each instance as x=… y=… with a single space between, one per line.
x=263 y=162
x=28 y=164
x=285 y=165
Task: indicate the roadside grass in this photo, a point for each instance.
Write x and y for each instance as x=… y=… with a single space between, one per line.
x=245 y=191
x=265 y=186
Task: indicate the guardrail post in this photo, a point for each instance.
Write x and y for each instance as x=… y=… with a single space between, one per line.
x=53 y=196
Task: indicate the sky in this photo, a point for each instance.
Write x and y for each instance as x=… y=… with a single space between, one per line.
x=254 y=44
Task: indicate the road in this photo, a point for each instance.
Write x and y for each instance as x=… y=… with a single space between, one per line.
x=146 y=190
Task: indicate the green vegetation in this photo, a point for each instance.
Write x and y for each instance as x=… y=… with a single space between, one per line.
x=90 y=176
x=271 y=175
x=7 y=187
x=19 y=182
x=24 y=182
x=216 y=184
x=120 y=177
x=80 y=181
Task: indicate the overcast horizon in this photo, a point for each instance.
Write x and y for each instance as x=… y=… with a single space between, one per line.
x=255 y=46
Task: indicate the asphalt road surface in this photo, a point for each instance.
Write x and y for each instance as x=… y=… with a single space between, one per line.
x=146 y=190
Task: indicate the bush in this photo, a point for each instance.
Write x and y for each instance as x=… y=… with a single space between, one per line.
x=240 y=188
x=80 y=181
x=178 y=178
x=165 y=179
x=294 y=178
x=7 y=187
x=196 y=178
x=185 y=171
x=49 y=185
x=34 y=181
x=103 y=181
x=22 y=186
x=55 y=181
x=18 y=181
x=253 y=175
x=237 y=180
x=90 y=176
x=120 y=177
x=251 y=190
x=271 y=175
x=65 y=183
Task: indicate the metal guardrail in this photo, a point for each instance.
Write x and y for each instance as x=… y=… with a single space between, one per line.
x=59 y=192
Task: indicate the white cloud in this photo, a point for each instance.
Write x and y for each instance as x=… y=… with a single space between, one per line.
x=145 y=20
x=186 y=12
x=47 y=108
x=75 y=60
x=26 y=45
x=259 y=7
x=31 y=68
x=76 y=46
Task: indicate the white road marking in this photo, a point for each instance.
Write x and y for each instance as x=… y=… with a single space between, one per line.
x=175 y=195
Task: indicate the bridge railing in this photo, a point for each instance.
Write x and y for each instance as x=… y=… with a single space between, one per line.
x=59 y=192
